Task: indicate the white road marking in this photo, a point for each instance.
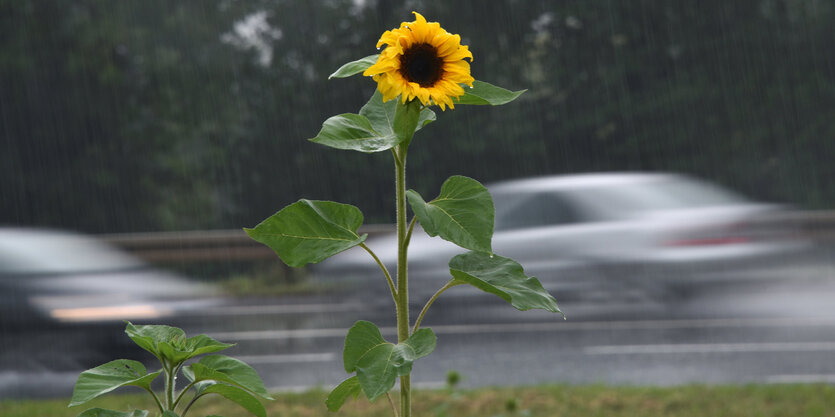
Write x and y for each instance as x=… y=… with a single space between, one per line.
x=710 y=348
x=428 y=385
x=287 y=358
x=282 y=309
x=298 y=389
x=800 y=379
x=278 y=334
x=556 y=326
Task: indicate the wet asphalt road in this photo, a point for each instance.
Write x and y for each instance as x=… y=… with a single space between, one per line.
x=783 y=331
x=773 y=331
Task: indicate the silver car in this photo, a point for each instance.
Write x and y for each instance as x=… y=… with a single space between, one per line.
x=63 y=297
x=610 y=231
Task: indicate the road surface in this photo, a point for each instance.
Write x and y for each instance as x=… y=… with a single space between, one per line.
x=775 y=331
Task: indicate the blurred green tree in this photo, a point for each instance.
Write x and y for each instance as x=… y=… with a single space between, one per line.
x=159 y=115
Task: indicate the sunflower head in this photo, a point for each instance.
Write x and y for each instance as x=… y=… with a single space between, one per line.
x=422 y=60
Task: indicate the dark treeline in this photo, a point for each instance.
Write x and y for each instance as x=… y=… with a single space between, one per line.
x=121 y=116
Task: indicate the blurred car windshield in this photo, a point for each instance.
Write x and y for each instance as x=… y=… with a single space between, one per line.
x=573 y=203
x=630 y=199
x=41 y=252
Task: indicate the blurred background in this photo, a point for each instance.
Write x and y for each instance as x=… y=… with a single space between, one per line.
x=667 y=175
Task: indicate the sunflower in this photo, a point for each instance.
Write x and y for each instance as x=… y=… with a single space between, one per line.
x=422 y=60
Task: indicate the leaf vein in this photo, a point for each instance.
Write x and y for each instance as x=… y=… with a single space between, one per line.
x=463 y=229
x=312 y=237
x=322 y=215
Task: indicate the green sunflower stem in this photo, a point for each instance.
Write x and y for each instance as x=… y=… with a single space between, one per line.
x=170 y=380
x=402 y=272
x=428 y=304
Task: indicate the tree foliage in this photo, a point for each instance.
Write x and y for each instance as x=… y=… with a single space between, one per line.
x=155 y=115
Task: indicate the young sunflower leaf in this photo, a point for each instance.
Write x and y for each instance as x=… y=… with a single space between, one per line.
x=105 y=378
x=171 y=343
x=378 y=363
x=354 y=67
x=503 y=277
x=225 y=369
x=101 y=412
x=484 y=93
x=149 y=337
x=426 y=116
x=362 y=337
x=385 y=118
x=463 y=213
x=347 y=388
x=191 y=347
x=406 y=117
x=237 y=395
x=310 y=231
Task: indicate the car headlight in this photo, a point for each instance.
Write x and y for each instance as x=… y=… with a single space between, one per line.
x=123 y=312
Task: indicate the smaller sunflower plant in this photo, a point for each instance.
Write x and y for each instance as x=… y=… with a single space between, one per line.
x=421 y=66
x=213 y=374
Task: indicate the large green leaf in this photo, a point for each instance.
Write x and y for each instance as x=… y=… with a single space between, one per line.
x=171 y=343
x=221 y=368
x=483 y=93
x=377 y=362
x=105 y=378
x=355 y=67
x=237 y=395
x=378 y=127
x=354 y=132
x=101 y=412
x=310 y=231
x=503 y=277
x=347 y=388
x=463 y=213
x=385 y=118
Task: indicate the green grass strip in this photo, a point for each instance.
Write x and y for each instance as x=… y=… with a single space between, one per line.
x=810 y=400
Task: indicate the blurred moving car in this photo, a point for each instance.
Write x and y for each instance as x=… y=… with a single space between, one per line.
x=650 y=230
x=66 y=290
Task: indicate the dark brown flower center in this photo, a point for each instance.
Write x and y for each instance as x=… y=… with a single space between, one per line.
x=421 y=64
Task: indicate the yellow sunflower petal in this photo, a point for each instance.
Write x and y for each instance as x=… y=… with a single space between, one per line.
x=458 y=55
x=389 y=38
x=419 y=28
x=382 y=66
x=433 y=29
x=452 y=89
x=447 y=44
x=443 y=100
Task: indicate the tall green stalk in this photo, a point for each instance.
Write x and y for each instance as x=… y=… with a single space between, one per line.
x=402 y=271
